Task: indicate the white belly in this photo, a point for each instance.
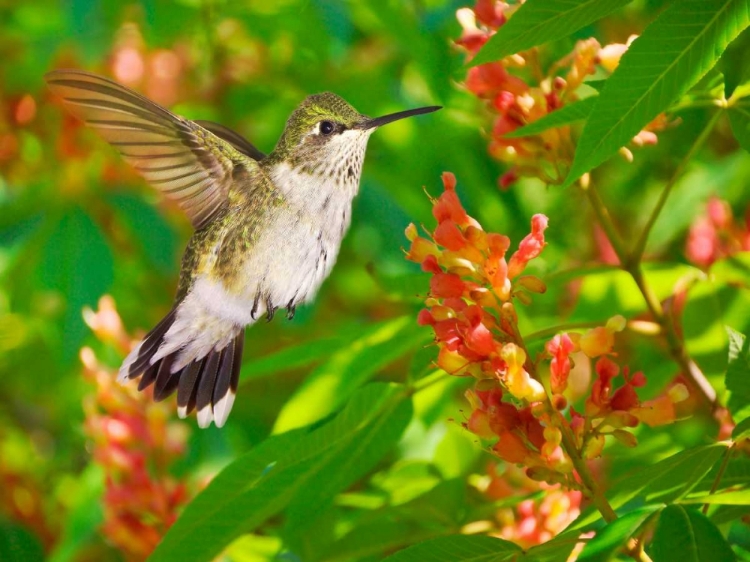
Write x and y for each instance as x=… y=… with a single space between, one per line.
x=287 y=267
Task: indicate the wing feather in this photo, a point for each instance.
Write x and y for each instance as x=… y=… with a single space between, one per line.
x=181 y=159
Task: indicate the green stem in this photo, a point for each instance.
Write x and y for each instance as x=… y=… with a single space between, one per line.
x=584 y=473
x=428 y=381
x=633 y=266
x=640 y=246
x=719 y=475
x=602 y=215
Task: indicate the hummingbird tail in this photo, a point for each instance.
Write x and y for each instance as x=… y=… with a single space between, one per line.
x=208 y=384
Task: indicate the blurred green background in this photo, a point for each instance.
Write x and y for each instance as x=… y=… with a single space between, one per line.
x=75 y=223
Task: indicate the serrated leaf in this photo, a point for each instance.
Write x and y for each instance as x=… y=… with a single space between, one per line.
x=541 y=21
x=330 y=384
x=666 y=481
x=458 y=548
x=301 y=468
x=567 y=114
x=688 y=535
x=612 y=538
x=671 y=55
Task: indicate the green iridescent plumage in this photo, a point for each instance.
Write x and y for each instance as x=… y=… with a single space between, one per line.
x=268 y=228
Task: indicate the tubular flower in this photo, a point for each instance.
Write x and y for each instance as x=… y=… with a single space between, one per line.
x=519 y=91
x=471 y=310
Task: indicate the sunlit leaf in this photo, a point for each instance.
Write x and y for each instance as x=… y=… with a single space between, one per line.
x=567 y=114
x=737 y=497
x=671 y=55
x=542 y=21
x=330 y=384
x=300 y=469
x=612 y=538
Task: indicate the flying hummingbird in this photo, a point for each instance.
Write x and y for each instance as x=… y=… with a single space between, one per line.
x=267 y=227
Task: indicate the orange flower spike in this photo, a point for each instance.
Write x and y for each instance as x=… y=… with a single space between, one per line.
x=517 y=380
x=530 y=247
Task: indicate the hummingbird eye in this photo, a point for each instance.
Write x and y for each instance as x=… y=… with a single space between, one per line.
x=326 y=127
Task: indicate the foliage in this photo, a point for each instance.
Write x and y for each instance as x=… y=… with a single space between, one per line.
x=472 y=402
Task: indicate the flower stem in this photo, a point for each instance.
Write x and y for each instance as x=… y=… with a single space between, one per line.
x=637 y=253
x=719 y=475
x=632 y=264
x=587 y=478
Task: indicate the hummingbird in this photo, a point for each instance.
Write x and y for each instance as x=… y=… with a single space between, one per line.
x=267 y=227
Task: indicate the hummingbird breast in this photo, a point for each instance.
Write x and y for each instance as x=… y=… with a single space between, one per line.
x=261 y=256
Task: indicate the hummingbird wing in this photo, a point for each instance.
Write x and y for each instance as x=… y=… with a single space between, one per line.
x=181 y=159
x=234 y=138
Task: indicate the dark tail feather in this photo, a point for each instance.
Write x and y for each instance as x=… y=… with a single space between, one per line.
x=134 y=366
x=208 y=384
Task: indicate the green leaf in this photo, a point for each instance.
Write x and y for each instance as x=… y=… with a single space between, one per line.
x=541 y=21
x=147 y=225
x=738 y=374
x=737 y=497
x=556 y=550
x=741 y=430
x=78 y=263
x=567 y=114
x=18 y=543
x=330 y=384
x=432 y=514
x=84 y=516
x=294 y=356
x=687 y=535
x=739 y=119
x=300 y=469
x=671 y=55
x=664 y=482
x=615 y=535
x=458 y=548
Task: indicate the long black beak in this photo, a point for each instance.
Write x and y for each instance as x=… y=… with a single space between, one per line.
x=380 y=121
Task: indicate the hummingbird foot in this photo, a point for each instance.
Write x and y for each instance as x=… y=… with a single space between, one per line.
x=270 y=310
x=291 y=308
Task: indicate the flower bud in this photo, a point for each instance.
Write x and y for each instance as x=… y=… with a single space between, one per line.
x=531 y=283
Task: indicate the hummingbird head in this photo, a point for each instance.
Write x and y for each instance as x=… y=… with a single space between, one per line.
x=326 y=136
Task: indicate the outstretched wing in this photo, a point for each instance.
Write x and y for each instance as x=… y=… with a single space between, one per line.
x=181 y=159
x=234 y=138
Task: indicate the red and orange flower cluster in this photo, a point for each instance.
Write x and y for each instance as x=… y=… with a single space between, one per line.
x=470 y=308
x=534 y=520
x=135 y=442
x=518 y=101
